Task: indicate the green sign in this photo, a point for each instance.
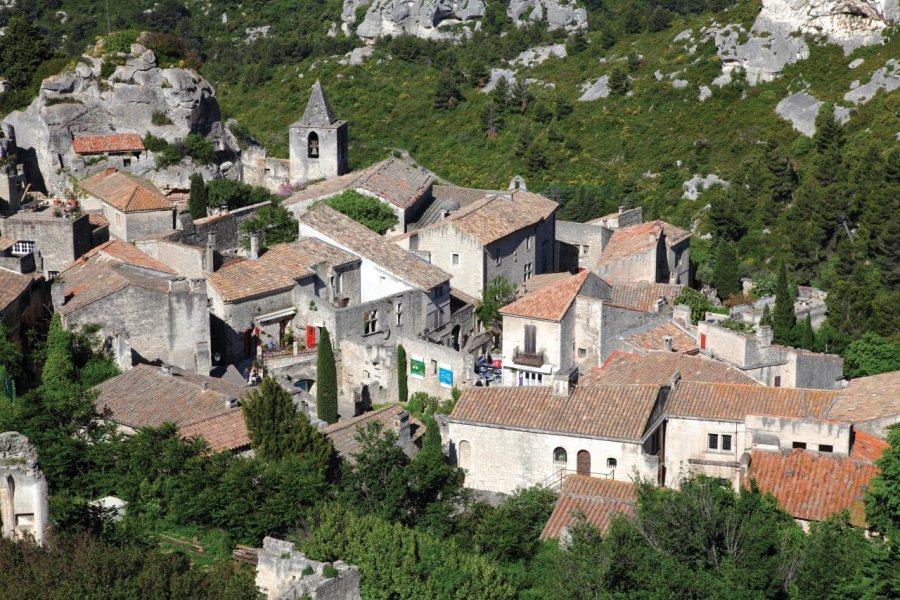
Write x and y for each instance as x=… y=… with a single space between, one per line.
x=417 y=367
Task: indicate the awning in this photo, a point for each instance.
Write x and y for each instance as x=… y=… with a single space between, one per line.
x=276 y=316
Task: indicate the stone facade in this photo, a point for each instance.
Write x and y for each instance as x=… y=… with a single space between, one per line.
x=24 y=508
x=280 y=574
x=600 y=329
x=318 y=142
x=57 y=240
x=129 y=226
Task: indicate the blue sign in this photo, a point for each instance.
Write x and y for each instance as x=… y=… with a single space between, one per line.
x=446 y=376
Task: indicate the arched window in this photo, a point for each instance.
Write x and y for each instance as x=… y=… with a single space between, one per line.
x=560 y=458
x=312 y=145
x=583 y=463
x=464 y=454
x=611 y=463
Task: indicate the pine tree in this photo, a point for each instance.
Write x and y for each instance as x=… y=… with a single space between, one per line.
x=521 y=95
x=278 y=430
x=782 y=173
x=197 y=202
x=536 y=158
x=783 y=318
x=618 y=82
x=632 y=21
x=402 y=383
x=524 y=142
x=447 y=94
x=726 y=278
x=501 y=94
x=491 y=119
x=326 y=380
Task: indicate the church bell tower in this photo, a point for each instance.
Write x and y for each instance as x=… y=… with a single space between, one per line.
x=318 y=141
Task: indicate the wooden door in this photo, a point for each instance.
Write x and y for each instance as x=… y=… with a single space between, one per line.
x=310 y=336
x=583 y=463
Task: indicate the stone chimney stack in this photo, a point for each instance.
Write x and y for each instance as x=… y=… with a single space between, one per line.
x=764 y=335
x=166 y=370
x=401 y=428
x=209 y=259
x=57 y=294
x=676 y=377
x=681 y=315
x=667 y=343
x=621 y=209
x=564 y=382
x=254 y=246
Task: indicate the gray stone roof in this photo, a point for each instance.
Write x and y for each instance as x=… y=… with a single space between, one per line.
x=318 y=111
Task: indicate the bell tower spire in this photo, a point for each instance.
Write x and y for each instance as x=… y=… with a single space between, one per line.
x=318 y=141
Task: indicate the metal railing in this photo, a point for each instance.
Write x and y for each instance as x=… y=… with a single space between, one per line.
x=555 y=480
x=528 y=359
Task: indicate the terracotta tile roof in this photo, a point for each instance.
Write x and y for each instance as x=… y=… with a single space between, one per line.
x=731 y=402
x=116 y=142
x=867 y=447
x=550 y=303
x=85 y=282
x=124 y=191
x=606 y=412
x=96 y=220
x=327 y=187
x=277 y=269
x=116 y=251
x=13 y=285
x=343 y=433
x=397 y=181
x=599 y=501
x=659 y=367
x=643 y=296
x=810 y=485
x=227 y=431
x=635 y=239
x=6 y=243
x=869 y=398
x=541 y=281
x=369 y=245
x=650 y=339
x=147 y=397
x=460 y=195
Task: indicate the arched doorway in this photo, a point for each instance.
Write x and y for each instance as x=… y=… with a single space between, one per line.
x=464 y=455
x=583 y=463
x=454 y=338
x=312 y=145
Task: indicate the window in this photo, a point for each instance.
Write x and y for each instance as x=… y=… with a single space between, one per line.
x=585 y=249
x=560 y=457
x=530 y=338
x=52 y=274
x=582 y=352
x=528 y=243
x=720 y=443
x=312 y=145
x=126 y=162
x=498 y=259
x=826 y=448
x=370 y=322
x=398 y=308
x=611 y=463
x=454 y=259
x=530 y=379
x=337 y=283
x=800 y=445
x=434 y=370
x=529 y=271
x=713 y=441
x=777 y=381
x=23 y=247
x=726 y=443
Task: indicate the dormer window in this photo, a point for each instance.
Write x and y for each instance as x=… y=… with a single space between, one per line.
x=23 y=247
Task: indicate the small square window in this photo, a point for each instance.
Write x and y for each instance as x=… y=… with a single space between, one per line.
x=713 y=441
x=582 y=352
x=528 y=243
x=726 y=442
x=826 y=448
x=585 y=249
x=454 y=259
x=800 y=445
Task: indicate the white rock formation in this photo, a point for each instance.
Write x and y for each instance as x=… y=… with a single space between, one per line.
x=801 y=110
x=693 y=187
x=595 y=91
x=538 y=55
x=82 y=102
x=559 y=14
x=886 y=78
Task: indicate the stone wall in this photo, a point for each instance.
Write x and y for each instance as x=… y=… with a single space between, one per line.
x=642 y=266
x=332 y=160
x=189 y=261
x=59 y=241
x=616 y=321
x=687 y=450
x=280 y=573
x=780 y=433
x=225 y=226
x=582 y=244
x=439 y=244
x=133 y=225
x=24 y=508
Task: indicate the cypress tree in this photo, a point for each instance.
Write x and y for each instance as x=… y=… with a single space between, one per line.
x=783 y=318
x=278 y=430
x=807 y=337
x=197 y=202
x=725 y=276
x=326 y=382
x=766 y=318
x=402 y=384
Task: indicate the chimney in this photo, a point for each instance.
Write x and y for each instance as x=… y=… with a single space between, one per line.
x=564 y=382
x=204 y=385
x=165 y=369
x=401 y=428
x=676 y=377
x=621 y=209
x=667 y=343
x=210 y=256
x=229 y=402
x=764 y=335
x=682 y=315
x=57 y=294
x=254 y=246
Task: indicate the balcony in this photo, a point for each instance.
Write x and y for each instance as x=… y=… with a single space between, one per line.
x=528 y=359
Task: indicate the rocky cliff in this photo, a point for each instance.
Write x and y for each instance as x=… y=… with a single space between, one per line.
x=449 y=19
x=136 y=97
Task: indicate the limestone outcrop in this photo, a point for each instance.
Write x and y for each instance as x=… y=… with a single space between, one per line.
x=24 y=508
x=451 y=19
x=848 y=23
x=137 y=97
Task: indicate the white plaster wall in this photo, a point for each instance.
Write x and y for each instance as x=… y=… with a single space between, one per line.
x=442 y=243
x=547 y=338
x=811 y=432
x=501 y=460
x=637 y=267
x=687 y=439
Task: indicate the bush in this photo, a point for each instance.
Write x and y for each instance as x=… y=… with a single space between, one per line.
x=107 y=69
x=329 y=572
x=199 y=148
x=160 y=118
x=368 y=211
x=120 y=41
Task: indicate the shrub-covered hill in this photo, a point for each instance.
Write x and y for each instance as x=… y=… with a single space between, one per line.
x=824 y=205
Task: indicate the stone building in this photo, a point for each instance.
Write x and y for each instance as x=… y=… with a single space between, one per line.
x=344 y=435
x=133 y=206
x=24 y=507
x=120 y=150
x=12 y=174
x=508 y=234
x=318 y=141
x=146 y=312
x=655 y=252
x=23 y=301
x=282 y=573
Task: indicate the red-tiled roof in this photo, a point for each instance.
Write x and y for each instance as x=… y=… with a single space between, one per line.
x=867 y=447
x=651 y=339
x=811 y=485
x=343 y=433
x=614 y=412
x=550 y=303
x=116 y=251
x=659 y=367
x=124 y=191
x=398 y=181
x=635 y=239
x=732 y=402
x=598 y=501
x=227 y=431
x=644 y=296
x=869 y=398
x=12 y=285
x=116 y=142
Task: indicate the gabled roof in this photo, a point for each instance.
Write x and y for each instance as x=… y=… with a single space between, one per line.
x=869 y=398
x=649 y=339
x=318 y=111
x=812 y=485
x=13 y=285
x=116 y=142
x=599 y=501
x=343 y=433
x=867 y=447
x=369 y=245
x=550 y=303
x=398 y=181
x=227 y=431
x=85 y=282
x=643 y=296
x=659 y=367
x=146 y=397
x=731 y=402
x=613 y=412
x=116 y=251
x=635 y=239
x=124 y=191
x=278 y=269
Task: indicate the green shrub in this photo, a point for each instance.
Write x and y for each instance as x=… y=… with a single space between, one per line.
x=120 y=41
x=329 y=572
x=307 y=570
x=107 y=69
x=160 y=118
x=368 y=211
x=199 y=148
